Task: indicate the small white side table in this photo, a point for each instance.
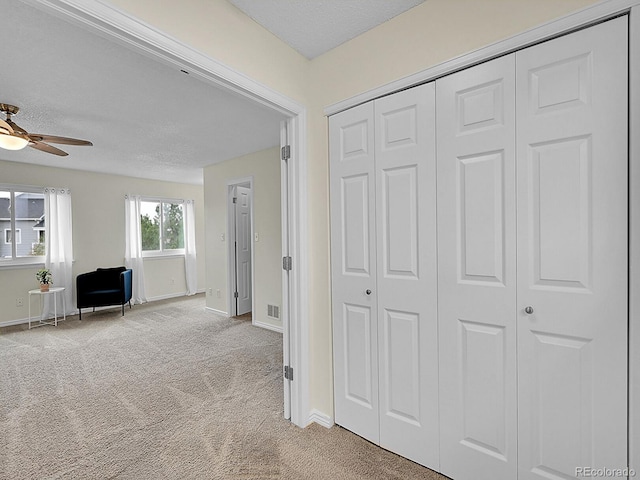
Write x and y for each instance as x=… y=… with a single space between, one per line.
x=51 y=291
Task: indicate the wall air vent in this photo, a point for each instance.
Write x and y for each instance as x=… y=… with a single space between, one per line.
x=273 y=311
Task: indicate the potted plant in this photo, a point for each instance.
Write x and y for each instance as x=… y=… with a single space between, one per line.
x=44 y=277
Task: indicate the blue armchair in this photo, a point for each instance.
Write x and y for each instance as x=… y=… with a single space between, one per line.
x=104 y=287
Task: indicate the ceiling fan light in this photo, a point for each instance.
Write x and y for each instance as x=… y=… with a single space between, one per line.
x=12 y=142
x=5 y=128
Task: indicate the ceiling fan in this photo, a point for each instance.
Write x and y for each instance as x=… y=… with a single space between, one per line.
x=14 y=137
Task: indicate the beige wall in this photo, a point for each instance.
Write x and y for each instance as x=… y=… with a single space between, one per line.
x=264 y=167
x=98 y=229
x=220 y=30
x=435 y=31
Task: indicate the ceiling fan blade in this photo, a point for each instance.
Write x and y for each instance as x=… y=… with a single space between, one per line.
x=47 y=148
x=16 y=128
x=38 y=137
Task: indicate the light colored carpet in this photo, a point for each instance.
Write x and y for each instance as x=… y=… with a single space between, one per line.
x=169 y=391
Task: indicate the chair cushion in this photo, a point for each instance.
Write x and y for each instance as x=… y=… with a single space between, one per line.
x=110 y=277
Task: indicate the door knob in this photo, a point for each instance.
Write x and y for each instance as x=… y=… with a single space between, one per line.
x=368 y=292
x=528 y=310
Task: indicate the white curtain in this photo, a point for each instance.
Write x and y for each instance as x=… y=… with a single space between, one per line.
x=133 y=249
x=59 y=246
x=190 y=263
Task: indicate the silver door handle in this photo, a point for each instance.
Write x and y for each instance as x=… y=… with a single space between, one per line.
x=368 y=292
x=528 y=310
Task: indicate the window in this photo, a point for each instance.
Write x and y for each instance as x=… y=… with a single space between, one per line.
x=162 y=227
x=23 y=223
x=8 y=235
x=37 y=247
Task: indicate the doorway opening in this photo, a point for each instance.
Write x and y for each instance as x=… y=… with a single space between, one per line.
x=119 y=26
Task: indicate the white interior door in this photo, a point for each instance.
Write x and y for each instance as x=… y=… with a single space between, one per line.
x=572 y=253
x=353 y=264
x=407 y=280
x=243 y=249
x=477 y=271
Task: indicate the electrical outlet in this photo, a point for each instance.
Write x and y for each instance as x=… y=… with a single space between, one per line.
x=222 y=237
x=20 y=302
x=218 y=293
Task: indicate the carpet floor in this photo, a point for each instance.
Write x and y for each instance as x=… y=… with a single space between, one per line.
x=169 y=391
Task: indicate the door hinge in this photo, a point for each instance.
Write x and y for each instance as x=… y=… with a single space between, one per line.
x=288 y=372
x=286 y=263
x=285 y=152
x=235 y=199
x=235 y=294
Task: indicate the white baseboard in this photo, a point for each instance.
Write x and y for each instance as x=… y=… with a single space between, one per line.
x=171 y=295
x=167 y=296
x=35 y=319
x=217 y=312
x=321 y=418
x=267 y=326
x=17 y=321
x=20 y=321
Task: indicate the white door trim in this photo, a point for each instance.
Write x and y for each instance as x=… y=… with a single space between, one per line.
x=121 y=27
x=634 y=238
x=231 y=236
x=286 y=286
x=298 y=321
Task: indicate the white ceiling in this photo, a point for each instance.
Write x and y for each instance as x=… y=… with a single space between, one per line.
x=147 y=119
x=314 y=27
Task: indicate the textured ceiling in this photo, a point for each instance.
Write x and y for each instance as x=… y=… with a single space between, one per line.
x=144 y=118
x=314 y=27
x=147 y=119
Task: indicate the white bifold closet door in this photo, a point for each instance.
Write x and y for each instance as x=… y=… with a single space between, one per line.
x=384 y=272
x=573 y=252
x=532 y=245
x=353 y=271
x=477 y=272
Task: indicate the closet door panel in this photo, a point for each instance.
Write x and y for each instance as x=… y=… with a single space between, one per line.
x=353 y=264
x=476 y=271
x=572 y=252
x=407 y=281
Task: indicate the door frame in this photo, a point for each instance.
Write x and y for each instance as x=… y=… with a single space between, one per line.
x=634 y=237
x=123 y=28
x=231 y=235
x=591 y=15
x=285 y=224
